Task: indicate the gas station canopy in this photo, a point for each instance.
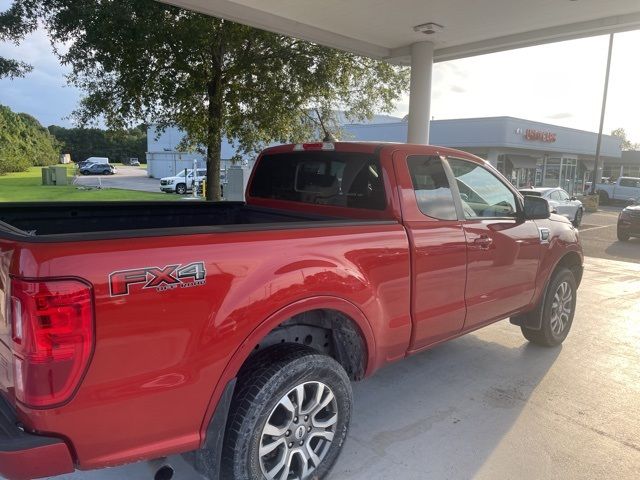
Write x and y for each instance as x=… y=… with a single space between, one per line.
x=421 y=32
x=385 y=29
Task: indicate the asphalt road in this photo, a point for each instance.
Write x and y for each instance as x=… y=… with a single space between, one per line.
x=598 y=235
x=492 y=406
x=127 y=178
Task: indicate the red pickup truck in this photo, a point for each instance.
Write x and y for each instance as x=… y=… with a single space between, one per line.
x=230 y=332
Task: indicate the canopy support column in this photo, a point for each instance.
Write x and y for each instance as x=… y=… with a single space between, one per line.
x=420 y=94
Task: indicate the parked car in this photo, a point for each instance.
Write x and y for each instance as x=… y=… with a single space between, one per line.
x=134 y=162
x=232 y=330
x=629 y=222
x=98 y=169
x=623 y=189
x=183 y=181
x=560 y=201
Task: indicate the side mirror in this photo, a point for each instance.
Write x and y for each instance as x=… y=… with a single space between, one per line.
x=536 y=208
x=573 y=199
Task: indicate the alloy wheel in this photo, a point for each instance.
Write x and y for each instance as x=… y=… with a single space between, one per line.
x=298 y=432
x=561 y=308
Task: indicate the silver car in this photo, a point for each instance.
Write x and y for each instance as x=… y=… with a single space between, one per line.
x=560 y=201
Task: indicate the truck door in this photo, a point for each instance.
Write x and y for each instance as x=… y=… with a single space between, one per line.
x=503 y=250
x=438 y=248
x=627 y=188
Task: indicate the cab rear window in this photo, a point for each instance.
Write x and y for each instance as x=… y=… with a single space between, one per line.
x=340 y=179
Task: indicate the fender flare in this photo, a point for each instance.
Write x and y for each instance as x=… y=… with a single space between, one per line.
x=262 y=330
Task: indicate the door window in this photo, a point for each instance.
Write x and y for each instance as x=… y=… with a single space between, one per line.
x=555 y=195
x=564 y=196
x=482 y=194
x=629 y=182
x=431 y=186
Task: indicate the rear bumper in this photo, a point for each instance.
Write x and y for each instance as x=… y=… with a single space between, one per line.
x=24 y=456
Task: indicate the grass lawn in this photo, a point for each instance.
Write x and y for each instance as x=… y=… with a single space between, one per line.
x=27 y=187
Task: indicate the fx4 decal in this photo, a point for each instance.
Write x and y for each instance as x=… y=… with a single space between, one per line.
x=161 y=279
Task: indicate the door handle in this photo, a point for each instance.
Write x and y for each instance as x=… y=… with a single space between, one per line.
x=483 y=242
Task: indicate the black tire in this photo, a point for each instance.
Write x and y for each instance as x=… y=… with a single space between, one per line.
x=604 y=197
x=548 y=335
x=273 y=376
x=84 y=172
x=623 y=236
x=181 y=189
x=578 y=218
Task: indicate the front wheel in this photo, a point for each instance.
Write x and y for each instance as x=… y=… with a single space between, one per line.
x=181 y=189
x=578 y=218
x=558 y=311
x=289 y=419
x=623 y=236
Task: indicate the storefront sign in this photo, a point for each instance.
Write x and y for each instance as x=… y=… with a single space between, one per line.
x=536 y=135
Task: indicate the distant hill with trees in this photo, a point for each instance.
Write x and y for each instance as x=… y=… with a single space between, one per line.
x=82 y=143
x=24 y=142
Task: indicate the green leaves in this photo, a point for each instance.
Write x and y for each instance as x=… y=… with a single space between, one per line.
x=24 y=142
x=145 y=61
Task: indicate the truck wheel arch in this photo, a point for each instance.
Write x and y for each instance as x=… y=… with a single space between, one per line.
x=533 y=319
x=282 y=319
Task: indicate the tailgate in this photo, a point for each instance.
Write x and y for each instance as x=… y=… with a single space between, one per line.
x=6 y=356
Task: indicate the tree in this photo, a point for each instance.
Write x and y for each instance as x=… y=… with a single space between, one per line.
x=626 y=143
x=145 y=61
x=14 y=25
x=120 y=145
x=24 y=142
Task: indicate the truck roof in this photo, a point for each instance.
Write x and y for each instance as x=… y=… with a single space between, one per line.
x=366 y=147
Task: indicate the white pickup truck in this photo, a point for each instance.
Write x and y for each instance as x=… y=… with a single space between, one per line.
x=624 y=189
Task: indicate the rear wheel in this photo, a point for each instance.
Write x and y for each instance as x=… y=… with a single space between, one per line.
x=558 y=311
x=289 y=419
x=604 y=197
x=623 y=236
x=578 y=218
x=181 y=189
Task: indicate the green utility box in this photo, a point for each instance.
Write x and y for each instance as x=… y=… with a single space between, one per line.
x=47 y=176
x=60 y=175
x=55 y=175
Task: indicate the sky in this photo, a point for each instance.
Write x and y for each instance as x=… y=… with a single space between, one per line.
x=558 y=83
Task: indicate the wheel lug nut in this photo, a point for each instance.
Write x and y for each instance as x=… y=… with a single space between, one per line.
x=290 y=444
x=301 y=443
x=306 y=418
x=308 y=429
x=288 y=433
x=295 y=420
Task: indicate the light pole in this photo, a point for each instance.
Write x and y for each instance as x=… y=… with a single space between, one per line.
x=602 y=112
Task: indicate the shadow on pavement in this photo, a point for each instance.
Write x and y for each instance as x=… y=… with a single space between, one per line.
x=440 y=413
x=629 y=250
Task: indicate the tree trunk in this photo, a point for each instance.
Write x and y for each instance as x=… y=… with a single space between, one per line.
x=214 y=129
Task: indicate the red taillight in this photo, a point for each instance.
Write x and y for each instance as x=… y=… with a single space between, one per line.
x=52 y=331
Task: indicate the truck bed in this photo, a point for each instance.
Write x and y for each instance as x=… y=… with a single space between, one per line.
x=122 y=219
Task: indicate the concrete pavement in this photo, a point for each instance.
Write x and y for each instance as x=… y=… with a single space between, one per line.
x=127 y=178
x=491 y=406
x=598 y=235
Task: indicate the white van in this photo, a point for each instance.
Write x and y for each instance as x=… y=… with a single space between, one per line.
x=99 y=160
